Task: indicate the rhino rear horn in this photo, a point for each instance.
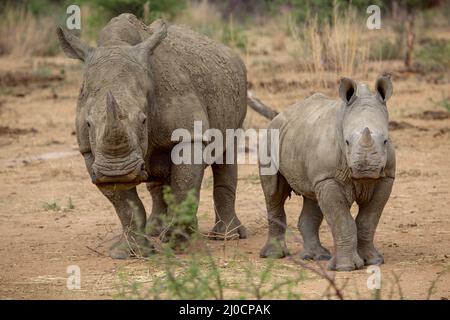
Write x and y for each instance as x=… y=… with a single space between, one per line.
x=347 y=90
x=72 y=46
x=146 y=47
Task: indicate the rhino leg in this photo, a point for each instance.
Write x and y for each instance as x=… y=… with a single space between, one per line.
x=227 y=224
x=276 y=190
x=132 y=215
x=308 y=224
x=183 y=178
x=336 y=209
x=367 y=222
x=159 y=209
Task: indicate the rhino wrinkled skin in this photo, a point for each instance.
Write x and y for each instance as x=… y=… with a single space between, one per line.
x=139 y=85
x=333 y=153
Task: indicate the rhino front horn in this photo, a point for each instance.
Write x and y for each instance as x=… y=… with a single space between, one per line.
x=366 y=138
x=112 y=112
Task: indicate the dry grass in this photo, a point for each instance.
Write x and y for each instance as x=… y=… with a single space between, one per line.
x=334 y=49
x=22 y=34
x=201 y=16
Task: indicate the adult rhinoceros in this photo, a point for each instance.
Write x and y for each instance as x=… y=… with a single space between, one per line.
x=139 y=85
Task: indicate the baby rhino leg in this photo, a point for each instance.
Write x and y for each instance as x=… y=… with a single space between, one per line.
x=276 y=190
x=308 y=224
x=336 y=209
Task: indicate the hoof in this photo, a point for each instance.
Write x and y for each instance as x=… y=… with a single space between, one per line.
x=371 y=257
x=378 y=261
x=125 y=249
x=276 y=250
x=319 y=254
x=221 y=232
x=346 y=264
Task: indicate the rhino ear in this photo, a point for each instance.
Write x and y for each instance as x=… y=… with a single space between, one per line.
x=347 y=90
x=73 y=47
x=146 y=47
x=383 y=87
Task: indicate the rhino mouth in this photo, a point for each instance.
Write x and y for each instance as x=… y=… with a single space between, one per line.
x=361 y=174
x=132 y=176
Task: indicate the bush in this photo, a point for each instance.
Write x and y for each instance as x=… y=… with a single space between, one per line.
x=147 y=10
x=435 y=55
x=24 y=34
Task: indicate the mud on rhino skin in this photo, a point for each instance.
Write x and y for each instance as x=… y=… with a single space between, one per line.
x=333 y=153
x=140 y=84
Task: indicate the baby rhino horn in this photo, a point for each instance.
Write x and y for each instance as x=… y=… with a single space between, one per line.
x=366 y=138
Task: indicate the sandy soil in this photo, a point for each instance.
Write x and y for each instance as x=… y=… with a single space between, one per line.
x=40 y=164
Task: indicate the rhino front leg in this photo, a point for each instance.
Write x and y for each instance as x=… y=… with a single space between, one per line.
x=184 y=178
x=227 y=224
x=308 y=224
x=132 y=215
x=159 y=209
x=336 y=209
x=276 y=190
x=367 y=222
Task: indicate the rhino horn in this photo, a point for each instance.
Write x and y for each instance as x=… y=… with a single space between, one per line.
x=112 y=109
x=366 y=138
x=115 y=136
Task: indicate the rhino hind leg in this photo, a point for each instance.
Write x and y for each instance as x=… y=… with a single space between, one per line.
x=132 y=215
x=154 y=225
x=276 y=190
x=308 y=224
x=227 y=224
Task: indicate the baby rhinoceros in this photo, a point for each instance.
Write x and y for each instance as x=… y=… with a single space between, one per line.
x=333 y=153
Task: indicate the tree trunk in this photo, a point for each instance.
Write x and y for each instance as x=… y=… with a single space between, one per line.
x=410 y=37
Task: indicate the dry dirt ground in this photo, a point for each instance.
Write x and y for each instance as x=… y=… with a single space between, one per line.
x=39 y=165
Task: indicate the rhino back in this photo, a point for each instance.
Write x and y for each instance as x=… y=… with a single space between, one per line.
x=198 y=79
x=309 y=150
x=123 y=29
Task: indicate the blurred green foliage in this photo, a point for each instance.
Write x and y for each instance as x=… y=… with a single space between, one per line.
x=302 y=10
x=435 y=54
x=144 y=9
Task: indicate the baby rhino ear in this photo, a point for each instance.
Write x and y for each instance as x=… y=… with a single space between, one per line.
x=383 y=87
x=347 y=90
x=72 y=46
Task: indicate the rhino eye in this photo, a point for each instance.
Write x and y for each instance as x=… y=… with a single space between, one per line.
x=144 y=121
x=88 y=124
x=385 y=141
x=347 y=143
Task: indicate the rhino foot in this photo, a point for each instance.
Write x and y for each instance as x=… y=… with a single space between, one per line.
x=222 y=231
x=274 y=249
x=371 y=256
x=346 y=263
x=154 y=227
x=318 y=254
x=124 y=249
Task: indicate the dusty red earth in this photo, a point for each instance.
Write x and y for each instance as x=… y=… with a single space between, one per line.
x=40 y=166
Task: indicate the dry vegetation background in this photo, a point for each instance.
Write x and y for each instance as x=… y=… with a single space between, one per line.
x=52 y=216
